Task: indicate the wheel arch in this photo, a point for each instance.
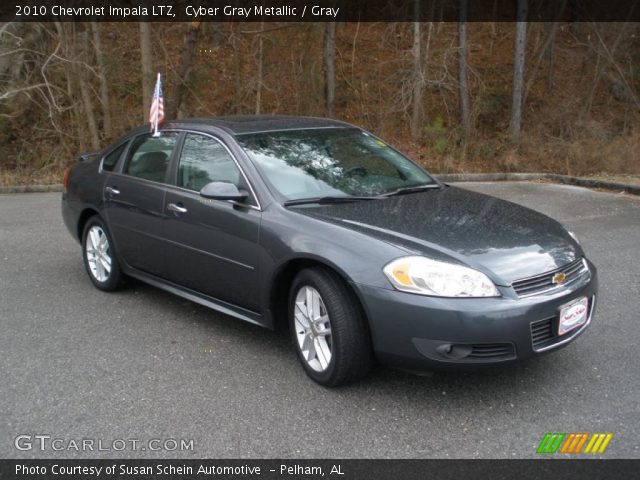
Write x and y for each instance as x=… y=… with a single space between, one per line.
x=85 y=215
x=283 y=278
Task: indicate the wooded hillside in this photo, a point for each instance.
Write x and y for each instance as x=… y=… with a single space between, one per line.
x=458 y=97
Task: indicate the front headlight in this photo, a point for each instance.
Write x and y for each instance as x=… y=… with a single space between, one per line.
x=430 y=277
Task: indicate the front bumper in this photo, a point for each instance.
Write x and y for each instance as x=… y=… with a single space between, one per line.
x=420 y=333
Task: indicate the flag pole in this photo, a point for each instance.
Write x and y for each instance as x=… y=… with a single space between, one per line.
x=157 y=96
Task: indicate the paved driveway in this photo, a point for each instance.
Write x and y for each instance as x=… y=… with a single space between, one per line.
x=142 y=364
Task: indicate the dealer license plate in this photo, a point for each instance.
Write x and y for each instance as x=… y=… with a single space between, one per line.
x=573 y=315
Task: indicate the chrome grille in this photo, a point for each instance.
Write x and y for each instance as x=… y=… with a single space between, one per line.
x=544 y=282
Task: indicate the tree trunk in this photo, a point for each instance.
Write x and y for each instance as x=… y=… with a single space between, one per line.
x=191 y=40
x=15 y=36
x=494 y=17
x=146 y=57
x=260 y=70
x=353 y=49
x=550 y=53
x=330 y=67
x=465 y=108
x=83 y=83
x=550 y=33
x=104 y=83
x=237 y=69
x=601 y=63
x=75 y=111
x=515 y=124
x=418 y=81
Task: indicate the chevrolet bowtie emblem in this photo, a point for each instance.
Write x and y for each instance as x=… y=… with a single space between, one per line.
x=559 y=278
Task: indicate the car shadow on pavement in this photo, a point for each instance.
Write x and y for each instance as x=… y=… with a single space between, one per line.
x=266 y=345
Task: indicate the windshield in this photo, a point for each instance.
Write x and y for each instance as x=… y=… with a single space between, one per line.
x=330 y=162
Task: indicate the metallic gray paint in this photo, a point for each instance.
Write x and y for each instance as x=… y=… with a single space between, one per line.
x=227 y=256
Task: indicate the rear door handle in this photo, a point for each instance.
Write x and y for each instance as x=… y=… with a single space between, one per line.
x=112 y=191
x=176 y=208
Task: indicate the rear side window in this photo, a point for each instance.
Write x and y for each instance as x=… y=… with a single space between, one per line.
x=109 y=161
x=205 y=160
x=148 y=156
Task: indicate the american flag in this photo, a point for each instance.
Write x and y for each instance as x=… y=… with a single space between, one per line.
x=156 y=113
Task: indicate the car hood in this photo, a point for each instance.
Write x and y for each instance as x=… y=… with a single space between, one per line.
x=500 y=238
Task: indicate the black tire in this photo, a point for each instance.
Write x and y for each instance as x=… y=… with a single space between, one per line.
x=115 y=279
x=351 y=351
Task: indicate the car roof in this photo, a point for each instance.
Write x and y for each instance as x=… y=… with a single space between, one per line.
x=239 y=124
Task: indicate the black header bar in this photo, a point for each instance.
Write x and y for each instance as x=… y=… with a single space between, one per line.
x=336 y=469
x=316 y=10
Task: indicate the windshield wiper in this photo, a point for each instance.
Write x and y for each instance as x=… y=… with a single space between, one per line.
x=325 y=200
x=415 y=189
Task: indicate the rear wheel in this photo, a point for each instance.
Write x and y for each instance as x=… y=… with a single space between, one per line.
x=328 y=328
x=99 y=256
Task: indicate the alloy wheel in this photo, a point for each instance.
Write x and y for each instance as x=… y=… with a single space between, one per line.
x=98 y=254
x=313 y=328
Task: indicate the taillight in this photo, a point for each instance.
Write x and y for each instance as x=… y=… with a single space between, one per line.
x=65 y=179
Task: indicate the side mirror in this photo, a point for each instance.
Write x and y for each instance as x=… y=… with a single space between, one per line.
x=222 y=191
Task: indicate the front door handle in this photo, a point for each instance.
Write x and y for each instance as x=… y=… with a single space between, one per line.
x=176 y=208
x=112 y=191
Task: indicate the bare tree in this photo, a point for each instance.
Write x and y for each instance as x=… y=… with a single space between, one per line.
x=13 y=38
x=550 y=52
x=260 y=69
x=353 y=49
x=418 y=79
x=146 y=58
x=465 y=108
x=25 y=69
x=605 y=58
x=547 y=52
x=330 y=67
x=104 y=82
x=238 y=65
x=66 y=46
x=515 y=124
x=85 y=92
x=191 y=40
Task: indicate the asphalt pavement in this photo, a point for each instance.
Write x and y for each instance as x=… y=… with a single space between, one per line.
x=79 y=364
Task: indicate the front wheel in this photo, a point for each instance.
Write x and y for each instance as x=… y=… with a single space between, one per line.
x=328 y=328
x=99 y=256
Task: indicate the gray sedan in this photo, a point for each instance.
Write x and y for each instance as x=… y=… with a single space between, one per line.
x=321 y=227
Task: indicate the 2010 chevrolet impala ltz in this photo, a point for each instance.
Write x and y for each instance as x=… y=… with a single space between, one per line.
x=321 y=226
